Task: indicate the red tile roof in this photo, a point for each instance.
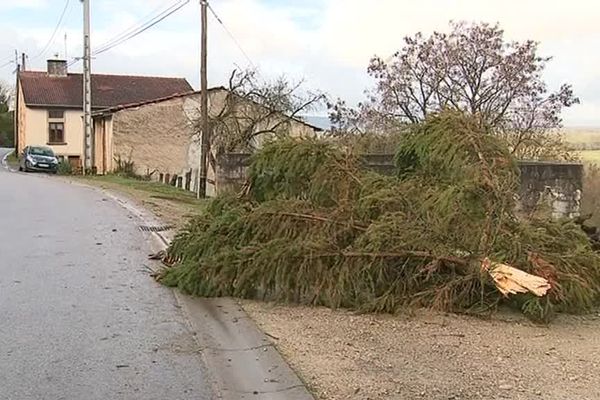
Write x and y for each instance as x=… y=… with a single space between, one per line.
x=40 y=89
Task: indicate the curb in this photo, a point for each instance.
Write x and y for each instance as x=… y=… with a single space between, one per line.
x=242 y=361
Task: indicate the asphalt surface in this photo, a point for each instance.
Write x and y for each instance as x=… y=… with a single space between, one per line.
x=79 y=316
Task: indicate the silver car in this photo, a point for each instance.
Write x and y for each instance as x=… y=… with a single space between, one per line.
x=38 y=158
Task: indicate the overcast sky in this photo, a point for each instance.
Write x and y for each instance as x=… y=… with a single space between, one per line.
x=326 y=42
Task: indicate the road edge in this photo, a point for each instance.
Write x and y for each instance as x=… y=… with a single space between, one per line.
x=3 y=162
x=242 y=361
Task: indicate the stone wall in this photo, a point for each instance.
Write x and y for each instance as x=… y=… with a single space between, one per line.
x=559 y=185
x=556 y=184
x=161 y=138
x=231 y=171
x=155 y=137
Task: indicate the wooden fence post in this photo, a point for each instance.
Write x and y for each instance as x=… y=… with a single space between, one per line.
x=188 y=180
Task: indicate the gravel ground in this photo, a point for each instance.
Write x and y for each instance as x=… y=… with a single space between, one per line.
x=341 y=355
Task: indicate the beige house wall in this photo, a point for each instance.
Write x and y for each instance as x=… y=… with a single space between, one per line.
x=36 y=131
x=33 y=129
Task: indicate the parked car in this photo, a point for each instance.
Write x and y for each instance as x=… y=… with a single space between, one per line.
x=38 y=158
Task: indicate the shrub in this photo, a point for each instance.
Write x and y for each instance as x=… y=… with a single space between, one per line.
x=125 y=168
x=64 y=168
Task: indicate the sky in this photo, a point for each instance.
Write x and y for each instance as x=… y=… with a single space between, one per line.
x=326 y=43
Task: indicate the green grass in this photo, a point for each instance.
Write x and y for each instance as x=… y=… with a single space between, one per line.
x=154 y=189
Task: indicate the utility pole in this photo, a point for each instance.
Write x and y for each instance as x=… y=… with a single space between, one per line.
x=205 y=146
x=87 y=88
x=17 y=102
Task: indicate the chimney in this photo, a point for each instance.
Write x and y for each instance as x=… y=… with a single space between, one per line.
x=57 y=67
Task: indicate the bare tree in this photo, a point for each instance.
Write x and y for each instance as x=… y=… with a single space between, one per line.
x=253 y=109
x=472 y=69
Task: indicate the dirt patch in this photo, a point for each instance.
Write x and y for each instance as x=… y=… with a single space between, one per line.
x=342 y=355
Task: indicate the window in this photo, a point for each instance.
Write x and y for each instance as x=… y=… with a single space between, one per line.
x=56 y=127
x=56 y=133
x=56 y=114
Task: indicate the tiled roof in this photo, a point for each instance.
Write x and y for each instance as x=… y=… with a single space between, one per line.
x=41 y=89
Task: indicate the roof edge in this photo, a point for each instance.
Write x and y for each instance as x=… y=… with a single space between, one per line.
x=100 y=74
x=69 y=106
x=112 y=110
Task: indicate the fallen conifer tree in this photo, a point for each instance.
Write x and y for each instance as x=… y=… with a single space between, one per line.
x=314 y=227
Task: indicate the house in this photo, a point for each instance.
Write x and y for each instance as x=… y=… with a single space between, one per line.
x=161 y=136
x=49 y=107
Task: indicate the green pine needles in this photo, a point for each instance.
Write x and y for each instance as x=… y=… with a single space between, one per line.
x=316 y=228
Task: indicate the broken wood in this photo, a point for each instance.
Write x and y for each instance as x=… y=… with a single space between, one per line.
x=510 y=280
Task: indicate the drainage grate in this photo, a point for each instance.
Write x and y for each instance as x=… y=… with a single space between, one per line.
x=159 y=228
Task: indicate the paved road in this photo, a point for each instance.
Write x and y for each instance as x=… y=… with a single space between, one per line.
x=79 y=316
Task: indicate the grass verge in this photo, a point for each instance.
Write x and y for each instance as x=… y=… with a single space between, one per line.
x=172 y=205
x=12 y=160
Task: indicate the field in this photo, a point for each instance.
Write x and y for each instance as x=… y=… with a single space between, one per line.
x=586 y=141
x=590 y=156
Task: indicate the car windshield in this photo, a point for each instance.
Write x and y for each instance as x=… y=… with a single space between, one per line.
x=41 y=151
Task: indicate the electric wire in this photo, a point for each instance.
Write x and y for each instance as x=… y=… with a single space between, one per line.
x=233 y=38
x=51 y=40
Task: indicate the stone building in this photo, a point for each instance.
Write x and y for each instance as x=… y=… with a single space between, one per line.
x=161 y=137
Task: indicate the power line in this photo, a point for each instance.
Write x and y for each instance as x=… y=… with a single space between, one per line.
x=237 y=43
x=133 y=32
x=137 y=26
x=51 y=40
x=7 y=64
x=142 y=29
